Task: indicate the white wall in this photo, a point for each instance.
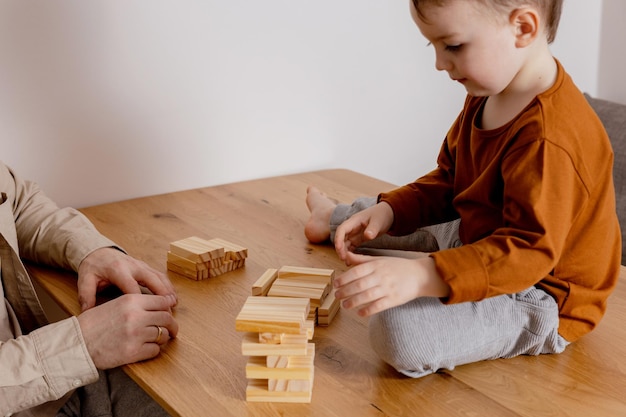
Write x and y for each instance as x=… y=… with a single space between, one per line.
x=106 y=100
x=611 y=85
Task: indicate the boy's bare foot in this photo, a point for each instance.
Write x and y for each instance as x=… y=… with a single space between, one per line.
x=317 y=228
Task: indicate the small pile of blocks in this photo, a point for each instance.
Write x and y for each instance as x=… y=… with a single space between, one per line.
x=277 y=340
x=314 y=284
x=198 y=259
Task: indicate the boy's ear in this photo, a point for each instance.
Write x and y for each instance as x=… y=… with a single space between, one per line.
x=527 y=26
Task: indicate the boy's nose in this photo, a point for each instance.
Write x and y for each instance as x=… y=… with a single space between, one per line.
x=441 y=63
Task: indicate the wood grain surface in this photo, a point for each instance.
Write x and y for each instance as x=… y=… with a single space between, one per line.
x=202 y=371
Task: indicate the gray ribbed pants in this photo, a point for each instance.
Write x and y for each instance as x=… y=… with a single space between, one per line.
x=425 y=335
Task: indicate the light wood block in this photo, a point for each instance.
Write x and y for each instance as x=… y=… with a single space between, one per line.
x=315 y=295
x=298 y=367
x=273 y=315
x=250 y=346
x=265 y=281
x=273 y=338
x=232 y=250
x=290 y=385
x=307 y=274
x=196 y=249
x=274 y=361
x=257 y=391
x=328 y=310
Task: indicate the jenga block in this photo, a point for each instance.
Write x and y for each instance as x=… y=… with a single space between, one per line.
x=232 y=251
x=182 y=271
x=295 y=338
x=275 y=338
x=329 y=308
x=317 y=295
x=251 y=347
x=290 y=385
x=309 y=326
x=256 y=369
x=257 y=391
x=263 y=284
x=307 y=274
x=277 y=385
x=185 y=263
x=312 y=285
x=273 y=315
x=213 y=249
x=275 y=361
x=271 y=338
x=298 y=367
x=196 y=249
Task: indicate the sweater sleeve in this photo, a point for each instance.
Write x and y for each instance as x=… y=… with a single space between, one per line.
x=51 y=235
x=43 y=366
x=427 y=200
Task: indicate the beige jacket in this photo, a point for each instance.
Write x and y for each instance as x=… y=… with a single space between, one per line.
x=39 y=362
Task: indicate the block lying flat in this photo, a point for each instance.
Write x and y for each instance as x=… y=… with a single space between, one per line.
x=273 y=315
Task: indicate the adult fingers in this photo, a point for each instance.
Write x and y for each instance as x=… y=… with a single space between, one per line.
x=87 y=288
x=158 y=334
x=157 y=282
x=160 y=307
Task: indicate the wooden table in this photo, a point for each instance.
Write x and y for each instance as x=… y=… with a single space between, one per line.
x=201 y=373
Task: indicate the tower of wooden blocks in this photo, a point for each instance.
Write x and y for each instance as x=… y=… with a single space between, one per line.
x=198 y=259
x=314 y=284
x=277 y=341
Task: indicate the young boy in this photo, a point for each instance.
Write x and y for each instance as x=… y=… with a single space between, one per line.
x=522 y=201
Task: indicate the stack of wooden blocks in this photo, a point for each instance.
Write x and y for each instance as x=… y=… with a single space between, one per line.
x=199 y=259
x=280 y=367
x=314 y=284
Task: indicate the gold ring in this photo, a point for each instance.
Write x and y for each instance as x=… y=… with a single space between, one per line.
x=158 y=339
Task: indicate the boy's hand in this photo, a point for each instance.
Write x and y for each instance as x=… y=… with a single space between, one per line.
x=378 y=283
x=362 y=227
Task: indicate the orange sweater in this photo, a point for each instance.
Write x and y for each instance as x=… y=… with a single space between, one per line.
x=536 y=202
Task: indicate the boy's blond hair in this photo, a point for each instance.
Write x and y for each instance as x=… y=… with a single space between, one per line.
x=550 y=10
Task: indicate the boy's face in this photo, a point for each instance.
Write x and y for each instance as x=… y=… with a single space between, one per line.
x=474 y=45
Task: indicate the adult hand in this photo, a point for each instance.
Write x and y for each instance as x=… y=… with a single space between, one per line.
x=109 y=266
x=127 y=329
x=378 y=283
x=362 y=227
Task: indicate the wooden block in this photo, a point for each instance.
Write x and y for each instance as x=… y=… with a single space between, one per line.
x=185 y=263
x=196 y=249
x=274 y=361
x=182 y=271
x=295 y=338
x=263 y=284
x=329 y=308
x=304 y=273
x=271 y=338
x=277 y=385
x=273 y=315
x=309 y=328
x=232 y=251
x=312 y=285
x=256 y=369
x=298 y=367
x=213 y=250
x=257 y=391
x=317 y=295
x=250 y=346
x=290 y=385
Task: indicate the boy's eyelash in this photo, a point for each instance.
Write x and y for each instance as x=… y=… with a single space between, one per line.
x=453 y=48
x=450 y=48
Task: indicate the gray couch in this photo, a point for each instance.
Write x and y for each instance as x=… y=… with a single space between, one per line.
x=613 y=116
